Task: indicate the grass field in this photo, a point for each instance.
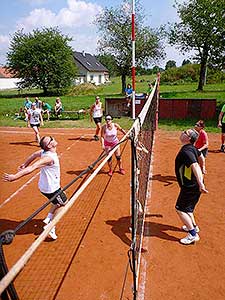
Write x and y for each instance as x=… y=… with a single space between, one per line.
x=11 y=101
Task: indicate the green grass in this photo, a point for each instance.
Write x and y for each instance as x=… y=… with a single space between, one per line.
x=11 y=101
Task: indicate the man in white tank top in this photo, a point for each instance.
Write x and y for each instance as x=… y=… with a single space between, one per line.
x=96 y=114
x=49 y=181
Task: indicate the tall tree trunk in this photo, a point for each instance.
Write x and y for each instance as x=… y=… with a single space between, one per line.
x=123 y=79
x=202 y=76
x=45 y=90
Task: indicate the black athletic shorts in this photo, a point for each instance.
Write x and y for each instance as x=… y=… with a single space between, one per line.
x=187 y=199
x=35 y=125
x=60 y=199
x=98 y=120
x=223 y=127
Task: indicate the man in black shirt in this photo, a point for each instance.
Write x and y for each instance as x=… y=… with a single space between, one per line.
x=188 y=168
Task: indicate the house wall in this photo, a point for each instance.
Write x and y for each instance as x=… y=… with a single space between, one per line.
x=8 y=83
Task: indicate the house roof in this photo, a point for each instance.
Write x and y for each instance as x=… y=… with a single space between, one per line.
x=4 y=73
x=89 y=62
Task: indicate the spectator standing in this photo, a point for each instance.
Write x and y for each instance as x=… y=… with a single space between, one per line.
x=221 y=124
x=188 y=164
x=96 y=113
x=58 y=107
x=35 y=120
x=49 y=181
x=128 y=92
x=110 y=140
x=46 y=109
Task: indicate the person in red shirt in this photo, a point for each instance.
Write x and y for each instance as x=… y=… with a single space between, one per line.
x=202 y=142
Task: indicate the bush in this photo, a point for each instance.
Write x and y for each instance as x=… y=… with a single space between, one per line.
x=83 y=89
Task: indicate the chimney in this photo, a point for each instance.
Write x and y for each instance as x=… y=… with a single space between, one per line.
x=83 y=53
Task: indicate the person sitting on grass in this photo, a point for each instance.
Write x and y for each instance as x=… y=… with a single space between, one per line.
x=46 y=109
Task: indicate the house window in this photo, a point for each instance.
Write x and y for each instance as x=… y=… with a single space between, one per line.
x=100 y=78
x=91 y=77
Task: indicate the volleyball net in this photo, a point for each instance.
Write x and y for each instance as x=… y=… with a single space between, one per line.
x=141 y=136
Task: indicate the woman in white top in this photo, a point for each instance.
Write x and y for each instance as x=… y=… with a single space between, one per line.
x=49 y=181
x=96 y=114
x=35 y=120
x=110 y=140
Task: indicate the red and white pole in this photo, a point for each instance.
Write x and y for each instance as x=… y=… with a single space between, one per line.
x=133 y=59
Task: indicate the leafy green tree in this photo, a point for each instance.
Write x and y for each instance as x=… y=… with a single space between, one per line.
x=115 y=39
x=201 y=29
x=170 y=64
x=42 y=59
x=186 y=62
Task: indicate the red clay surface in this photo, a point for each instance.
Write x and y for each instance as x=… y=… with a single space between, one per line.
x=89 y=260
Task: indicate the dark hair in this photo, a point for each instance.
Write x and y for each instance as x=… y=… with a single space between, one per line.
x=201 y=123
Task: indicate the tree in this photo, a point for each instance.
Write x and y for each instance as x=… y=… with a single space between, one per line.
x=186 y=62
x=115 y=39
x=201 y=29
x=170 y=64
x=41 y=59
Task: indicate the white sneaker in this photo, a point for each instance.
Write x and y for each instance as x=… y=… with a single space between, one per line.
x=52 y=234
x=184 y=228
x=190 y=239
x=47 y=220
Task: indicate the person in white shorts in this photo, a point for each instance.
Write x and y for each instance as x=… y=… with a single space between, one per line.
x=35 y=120
x=49 y=181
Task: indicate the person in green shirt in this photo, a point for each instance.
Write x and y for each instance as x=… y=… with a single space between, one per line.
x=221 y=124
x=46 y=109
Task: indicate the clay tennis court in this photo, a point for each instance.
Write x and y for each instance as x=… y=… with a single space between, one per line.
x=89 y=259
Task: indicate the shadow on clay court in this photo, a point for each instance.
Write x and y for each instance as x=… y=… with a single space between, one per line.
x=78 y=172
x=214 y=151
x=168 y=179
x=35 y=226
x=30 y=144
x=121 y=229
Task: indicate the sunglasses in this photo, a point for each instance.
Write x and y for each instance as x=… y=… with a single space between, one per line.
x=198 y=125
x=108 y=119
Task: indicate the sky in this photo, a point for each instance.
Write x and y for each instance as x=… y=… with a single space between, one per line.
x=75 y=19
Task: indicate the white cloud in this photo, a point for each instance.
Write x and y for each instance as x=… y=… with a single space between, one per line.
x=76 y=14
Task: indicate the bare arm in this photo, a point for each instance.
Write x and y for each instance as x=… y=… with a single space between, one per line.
x=102 y=136
x=199 y=176
x=120 y=128
x=29 y=169
x=201 y=161
x=220 y=119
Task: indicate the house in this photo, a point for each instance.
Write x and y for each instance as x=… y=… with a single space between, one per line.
x=90 y=70
x=6 y=80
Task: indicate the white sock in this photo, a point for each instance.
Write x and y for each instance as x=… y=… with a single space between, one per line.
x=50 y=216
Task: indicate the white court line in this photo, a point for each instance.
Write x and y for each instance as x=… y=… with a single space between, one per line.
x=145 y=241
x=30 y=180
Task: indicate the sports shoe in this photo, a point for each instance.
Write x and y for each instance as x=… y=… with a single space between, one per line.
x=222 y=149
x=47 y=220
x=184 y=228
x=52 y=234
x=110 y=173
x=96 y=138
x=190 y=239
x=122 y=171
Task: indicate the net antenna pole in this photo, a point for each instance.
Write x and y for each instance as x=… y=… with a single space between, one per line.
x=133 y=58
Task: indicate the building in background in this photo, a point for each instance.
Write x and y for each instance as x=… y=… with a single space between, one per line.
x=90 y=69
x=6 y=80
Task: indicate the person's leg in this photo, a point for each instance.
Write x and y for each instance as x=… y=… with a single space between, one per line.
x=98 y=128
x=186 y=219
x=37 y=135
x=119 y=161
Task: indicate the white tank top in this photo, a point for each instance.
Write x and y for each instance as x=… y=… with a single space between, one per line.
x=97 y=111
x=111 y=134
x=35 y=116
x=49 y=180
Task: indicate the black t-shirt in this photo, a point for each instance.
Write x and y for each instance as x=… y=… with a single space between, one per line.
x=187 y=155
